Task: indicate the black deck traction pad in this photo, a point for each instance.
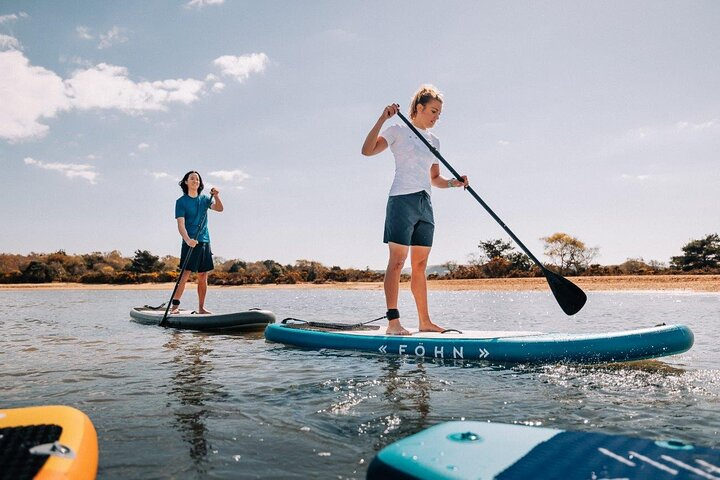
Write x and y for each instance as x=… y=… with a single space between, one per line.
x=16 y=461
x=320 y=326
x=577 y=455
x=150 y=307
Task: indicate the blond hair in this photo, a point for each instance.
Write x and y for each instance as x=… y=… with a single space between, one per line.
x=424 y=94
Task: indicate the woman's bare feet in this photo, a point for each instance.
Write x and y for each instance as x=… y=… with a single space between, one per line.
x=429 y=326
x=394 y=328
x=202 y=311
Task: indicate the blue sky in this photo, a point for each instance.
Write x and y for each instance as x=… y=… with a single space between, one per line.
x=598 y=119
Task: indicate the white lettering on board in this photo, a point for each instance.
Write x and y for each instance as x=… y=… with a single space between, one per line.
x=420 y=351
x=401 y=350
x=440 y=352
x=458 y=353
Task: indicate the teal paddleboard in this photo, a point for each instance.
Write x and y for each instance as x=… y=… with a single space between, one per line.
x=493 y=346
x=480 y=450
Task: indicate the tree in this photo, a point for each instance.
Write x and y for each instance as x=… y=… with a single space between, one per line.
x=495 y=248
x=92 y=259
x=699 y=254
x=237 y=266
x=503 y=250
x=634 y=266
x=145 y=262
x=170 y=263
x=450 y=266
x=38 y=272
x=273 y=271
x=116 y=260
x=311 y=270
x=568 y=253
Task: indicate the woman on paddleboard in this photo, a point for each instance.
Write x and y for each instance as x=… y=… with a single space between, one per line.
x=409 y=222
x=191 y=215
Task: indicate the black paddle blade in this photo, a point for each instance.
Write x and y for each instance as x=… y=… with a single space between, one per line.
x=570 y=297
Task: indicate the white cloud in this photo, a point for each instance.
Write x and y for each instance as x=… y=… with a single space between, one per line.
x=12 y=17
x=235 y=177
x=217 y=86
x=8 y=18
x=160 y=175
x=70 y=170
x=635 y=178
x=114 y=36
x=697 y=126
x=9 y=43
x=143 y=146
x=642 y=134
x=503 y=143
x=108 y=86
x=84 y=33
x=667 y=132
x=75 y=60
x=203 y=3
x=340 y=35
x=241 y=67
x=27 y=95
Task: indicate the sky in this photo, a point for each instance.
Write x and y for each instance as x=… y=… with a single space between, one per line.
x=597 y=119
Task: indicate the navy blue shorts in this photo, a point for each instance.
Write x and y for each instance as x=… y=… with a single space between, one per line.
x=409 y=220
x=200 y=259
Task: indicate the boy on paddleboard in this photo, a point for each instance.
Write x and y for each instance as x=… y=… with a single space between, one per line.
x=191 y=215
x=409 y=222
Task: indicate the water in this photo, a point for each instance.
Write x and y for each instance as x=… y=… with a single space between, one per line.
x=169 y=404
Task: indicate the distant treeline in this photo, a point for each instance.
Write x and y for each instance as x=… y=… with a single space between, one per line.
x=497 y=259
x=144 y=267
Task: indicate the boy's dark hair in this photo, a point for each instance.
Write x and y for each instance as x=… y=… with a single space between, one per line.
x=184 y=186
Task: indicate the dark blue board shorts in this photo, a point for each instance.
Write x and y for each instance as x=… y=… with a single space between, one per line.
x=409 y=220
x=200 y=259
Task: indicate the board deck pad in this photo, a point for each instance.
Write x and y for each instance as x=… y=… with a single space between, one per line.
x=464 y=450
x=47 y=442
x=16 y=461
x=495 y=346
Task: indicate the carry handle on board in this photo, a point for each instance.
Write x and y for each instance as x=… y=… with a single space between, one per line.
x=570 y=297
x=163 y=322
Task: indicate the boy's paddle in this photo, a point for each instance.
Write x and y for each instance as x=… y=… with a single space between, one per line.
x=570 y=297
x=163 y=322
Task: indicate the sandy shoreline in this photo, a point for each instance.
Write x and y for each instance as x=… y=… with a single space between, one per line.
x=692 y=283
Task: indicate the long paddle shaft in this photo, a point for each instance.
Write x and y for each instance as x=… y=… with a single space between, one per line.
x=570 y=297
x=163 y=322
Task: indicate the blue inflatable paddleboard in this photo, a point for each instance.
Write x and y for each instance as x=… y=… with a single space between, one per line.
x=493 y=346
x=478 y=450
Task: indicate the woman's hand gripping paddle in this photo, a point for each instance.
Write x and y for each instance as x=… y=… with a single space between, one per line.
x=570 y=297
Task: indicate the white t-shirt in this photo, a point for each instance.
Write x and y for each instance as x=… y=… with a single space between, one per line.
x=413 y=159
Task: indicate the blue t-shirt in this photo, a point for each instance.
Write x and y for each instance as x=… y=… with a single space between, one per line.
x=194 y=210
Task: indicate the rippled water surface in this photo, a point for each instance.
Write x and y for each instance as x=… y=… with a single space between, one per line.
x=171 y=404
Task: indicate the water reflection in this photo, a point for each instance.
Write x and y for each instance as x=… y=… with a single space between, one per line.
x=407 y=391
x=193 y=386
